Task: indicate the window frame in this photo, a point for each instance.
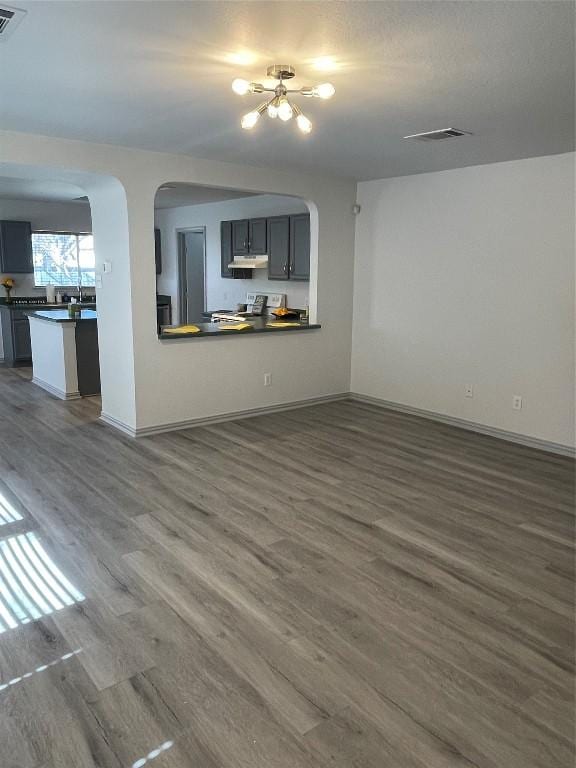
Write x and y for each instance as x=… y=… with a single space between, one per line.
x=77 y=235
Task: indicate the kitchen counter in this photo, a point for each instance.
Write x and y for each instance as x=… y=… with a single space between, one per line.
x=258 y=325
x=65 y=359
x=17 y=307
x=62 y=316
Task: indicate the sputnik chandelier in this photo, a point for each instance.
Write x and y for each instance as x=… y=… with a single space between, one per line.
x=279 y=105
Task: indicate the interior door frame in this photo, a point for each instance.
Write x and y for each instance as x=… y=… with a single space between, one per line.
x=182 y=270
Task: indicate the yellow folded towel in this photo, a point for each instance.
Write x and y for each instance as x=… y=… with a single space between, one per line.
x=234 y=326
x=182 y=329
x=283 y=325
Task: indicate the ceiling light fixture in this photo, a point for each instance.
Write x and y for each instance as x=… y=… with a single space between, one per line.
x=280 y=106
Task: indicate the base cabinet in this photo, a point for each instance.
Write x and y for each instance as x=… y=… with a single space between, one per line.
x=15 y=337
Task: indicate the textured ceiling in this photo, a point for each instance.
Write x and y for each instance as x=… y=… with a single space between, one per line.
x=157 y=76
x=46 y=191
x=173 y=196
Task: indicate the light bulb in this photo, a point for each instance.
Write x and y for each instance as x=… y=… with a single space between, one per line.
x=272 y=110
x=240 y=86
x=249 y=120
x=324 y=91
x=285 y=110
x=304 y=124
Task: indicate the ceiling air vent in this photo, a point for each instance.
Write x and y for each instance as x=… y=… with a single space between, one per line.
x=9 y=20
x=443 y=133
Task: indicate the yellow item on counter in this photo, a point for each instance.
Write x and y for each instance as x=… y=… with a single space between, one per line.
x=182 y=329
x=234 y=326
x=283 y=325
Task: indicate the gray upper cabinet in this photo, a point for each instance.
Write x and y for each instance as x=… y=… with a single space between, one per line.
x=278 y=247
x=300 y=247
x=289 y=247
x=227 y=255
x=158 y=250
x=16 y=247
x=257 y=240
x=225 y=248
x=248 y=237
x=240 y=237
x=286 y=240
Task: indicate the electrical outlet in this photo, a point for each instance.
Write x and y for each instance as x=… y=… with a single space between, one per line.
x=468 y=390
x=517 y=402
x=267 y=379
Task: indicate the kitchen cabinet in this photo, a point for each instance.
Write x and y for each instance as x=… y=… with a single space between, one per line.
x=240 y=238
x=257 y=237
x=278 y=247
x=289 y=247
x=15 y=337
x=299 y=268
x=285 y=239
x=16 y=247
x=158 y=250
x=226 y=253
x=248 y=237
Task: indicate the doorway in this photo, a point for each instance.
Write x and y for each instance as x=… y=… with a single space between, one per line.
x=191 y=274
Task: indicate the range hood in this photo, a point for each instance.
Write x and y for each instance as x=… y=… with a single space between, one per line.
x=259 y=262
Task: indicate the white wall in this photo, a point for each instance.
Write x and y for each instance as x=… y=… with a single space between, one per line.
x=222 y=292
x=467 y=277
x=70 y=217
x=146 y=382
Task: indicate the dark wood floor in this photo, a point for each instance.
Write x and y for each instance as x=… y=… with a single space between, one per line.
x=333 y=586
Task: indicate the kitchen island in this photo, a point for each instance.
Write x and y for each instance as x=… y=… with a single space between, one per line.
x=65 y=352
x=219 y=330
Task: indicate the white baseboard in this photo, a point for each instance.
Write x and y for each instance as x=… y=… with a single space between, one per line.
x=232 y=416
x=472 y=426
x=55 y=391
x=117 y=424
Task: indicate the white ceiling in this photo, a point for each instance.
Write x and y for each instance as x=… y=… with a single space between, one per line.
x=157 y=76
x=189 y=194
x=45 y=191
x=173 y=196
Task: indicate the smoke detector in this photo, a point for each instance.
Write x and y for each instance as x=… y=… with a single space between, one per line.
x=9 y=20
x=443 y=133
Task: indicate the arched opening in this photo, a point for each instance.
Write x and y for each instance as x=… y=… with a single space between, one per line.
x=47 y=257
x=218 y=249
x=61 y=233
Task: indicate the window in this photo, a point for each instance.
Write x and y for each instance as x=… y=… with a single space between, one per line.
x=63 y=258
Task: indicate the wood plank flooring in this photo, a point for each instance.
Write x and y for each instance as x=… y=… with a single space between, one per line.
x=334 y=586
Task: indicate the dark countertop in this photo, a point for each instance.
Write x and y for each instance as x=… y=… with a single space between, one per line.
x=40 y=307
x=213 y=330
x=62 y=316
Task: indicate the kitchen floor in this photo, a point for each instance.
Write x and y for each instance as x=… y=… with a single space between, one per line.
x=334 y=586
